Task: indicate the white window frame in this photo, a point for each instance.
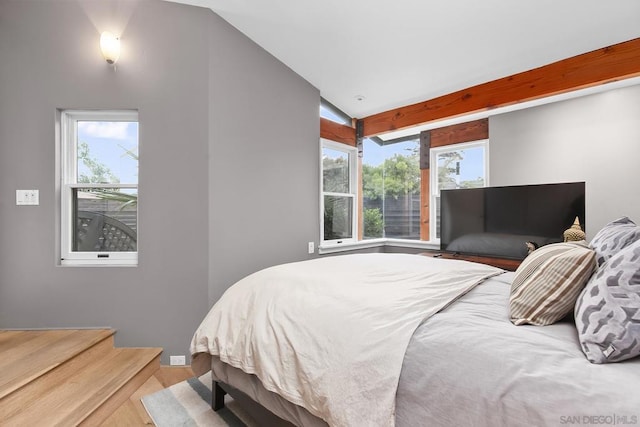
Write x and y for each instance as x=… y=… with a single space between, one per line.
x=68 y=173
x=352 y=152
x=434 y=191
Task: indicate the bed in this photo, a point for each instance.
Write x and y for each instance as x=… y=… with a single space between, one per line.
x=463 y=361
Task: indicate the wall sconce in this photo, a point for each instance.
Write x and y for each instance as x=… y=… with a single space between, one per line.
x=110 y=46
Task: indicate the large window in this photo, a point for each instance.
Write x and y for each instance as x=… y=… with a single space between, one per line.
x=339 y=192
x=391 y=189
x=391 y=201
x=455 y=166
x=99 y=187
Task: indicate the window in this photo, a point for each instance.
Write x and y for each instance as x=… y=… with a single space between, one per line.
x=456 y=166
x=99 y=187
x=391 y=189
x=338 y=203
x=331 y=112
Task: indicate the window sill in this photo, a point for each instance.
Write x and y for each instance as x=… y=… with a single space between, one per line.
x=375 y=243
x=94 y=263
x=418 y=244
x=350 y=246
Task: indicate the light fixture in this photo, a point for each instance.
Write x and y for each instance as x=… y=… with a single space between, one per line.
x=110 y=46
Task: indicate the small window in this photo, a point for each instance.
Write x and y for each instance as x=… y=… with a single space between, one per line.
x=456 y=166
x=338 y=202
x=99 y=187
x=331 y=112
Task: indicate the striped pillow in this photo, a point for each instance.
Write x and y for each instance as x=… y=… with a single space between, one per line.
x=548 y=282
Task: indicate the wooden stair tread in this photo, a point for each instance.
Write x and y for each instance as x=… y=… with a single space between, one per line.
x=78 y=388
x=44 y=350
x=132 y=412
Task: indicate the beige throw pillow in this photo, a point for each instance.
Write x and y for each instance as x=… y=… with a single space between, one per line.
x=548 y=282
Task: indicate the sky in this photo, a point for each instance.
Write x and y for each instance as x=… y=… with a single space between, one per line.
x=108 y=142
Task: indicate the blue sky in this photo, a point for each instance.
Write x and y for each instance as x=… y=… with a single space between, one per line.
x=472 y=165
x=108 y=142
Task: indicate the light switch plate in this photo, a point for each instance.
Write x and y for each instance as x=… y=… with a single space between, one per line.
x=27 y=197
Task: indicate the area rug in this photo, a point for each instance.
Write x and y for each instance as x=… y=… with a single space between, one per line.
x=189 y=404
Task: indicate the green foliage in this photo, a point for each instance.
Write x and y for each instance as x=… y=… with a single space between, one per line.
x=100 y=174
x=129 y=153
x=328 y=222
x=335 y=175
x=125 y=199
x=397 y=176
x=401 y=175
x=337 y=209
x=373 y=223
x=337 y=217
x=372 y=182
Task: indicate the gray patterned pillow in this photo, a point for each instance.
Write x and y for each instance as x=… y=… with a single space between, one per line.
x=614 y=237
x=607 y=312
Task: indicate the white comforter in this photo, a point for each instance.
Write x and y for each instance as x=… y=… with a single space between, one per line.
x=330 y=334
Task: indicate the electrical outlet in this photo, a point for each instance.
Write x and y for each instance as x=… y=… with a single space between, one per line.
x=177 y=360
x=311 y=248
x=28 y=197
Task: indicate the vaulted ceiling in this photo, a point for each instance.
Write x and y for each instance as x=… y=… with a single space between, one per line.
x=369 y=56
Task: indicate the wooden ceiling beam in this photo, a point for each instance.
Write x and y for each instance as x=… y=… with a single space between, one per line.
x=463 y=132
x=609 y=64
x=336 y=132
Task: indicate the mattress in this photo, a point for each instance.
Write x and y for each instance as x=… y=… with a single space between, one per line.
x=469 y=365
x=251 y=386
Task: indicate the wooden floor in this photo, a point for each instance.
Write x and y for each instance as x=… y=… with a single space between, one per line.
x=132 y=413
x=77 y=377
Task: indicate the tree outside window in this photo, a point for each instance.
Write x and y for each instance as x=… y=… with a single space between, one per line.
x=391 y=190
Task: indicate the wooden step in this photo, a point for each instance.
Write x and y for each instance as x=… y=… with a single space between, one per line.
x=132 y=412
x=27 y=355
x=128 y=381
x=83 y=389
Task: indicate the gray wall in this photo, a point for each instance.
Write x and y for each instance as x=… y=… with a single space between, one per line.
x=264 y=165
x=595 y=139
x=215 y=113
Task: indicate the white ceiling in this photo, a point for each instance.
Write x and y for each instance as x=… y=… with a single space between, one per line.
x=395 y=53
